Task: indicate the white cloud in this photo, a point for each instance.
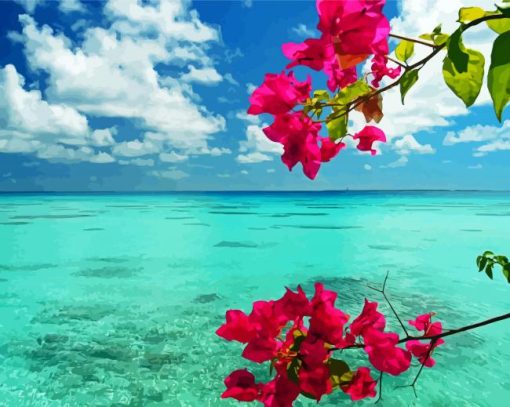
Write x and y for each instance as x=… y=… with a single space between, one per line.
x=140 y=162
x=247 y=3
x=223 y=175
x=70 y=6
x=303 y=31
x=475 y=167
x=244 y=172
x=170 y=174
x=230 y=79
x=270 y=170
x=103 y=137
x=250 y=87
x=250 y=118
x=29 y=5
x=496 y=138
x=497 y=145
x=112 y=73
x=172 y=157
x=205 y=76
x=401 y=162
x=102 y=158
x=257 y=147
x=135 y=148
x=408 y=144
x=367 y=167
x=252 y=158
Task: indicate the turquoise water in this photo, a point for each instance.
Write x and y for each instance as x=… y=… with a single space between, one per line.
x=113 y=300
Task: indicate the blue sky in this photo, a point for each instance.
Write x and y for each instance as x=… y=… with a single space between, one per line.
x=127 y=95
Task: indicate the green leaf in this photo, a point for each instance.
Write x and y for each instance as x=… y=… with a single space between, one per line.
x=404 y=50
x=337 y=128
x=437 y=29
x=293 y=370
x=440 y=39
x=498 y=79
x=352 y=92
x=488 y=270
x=339 y=372
x=506 y=272
x=457 y=52
x=483 y=263
x=409 y=78
x=499 y=26
x=487 y=253
x=465 y=85
x=468 y=14
x=321 y=95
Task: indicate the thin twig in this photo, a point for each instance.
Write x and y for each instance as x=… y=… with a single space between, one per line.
x=380 y=388
x=396 y=61
x=401 y=37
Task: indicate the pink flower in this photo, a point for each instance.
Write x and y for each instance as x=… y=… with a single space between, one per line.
x=279 y=94
x=241 y=386
x=319 y=54
x=293 y=305
x=313 y=352
x=299 y=136
x=358 y=28
x=367 y=136
x=266 y=319
x=327 y=322
x=261 y=348
x=380 y=69
x=420 y=350
x=362 y=385
x=369 y=318
x=383 y=352
x=237 y=328
x=329 y=149
x=314 y=380
x=279 y=392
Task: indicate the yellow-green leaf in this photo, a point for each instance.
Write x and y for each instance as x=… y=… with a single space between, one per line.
x=499 y=26
x=337 y=127
x=468 y=14
x=409 y=78
x=457 y=52
x=465 y=85
x=498 y=79
x=404 y=50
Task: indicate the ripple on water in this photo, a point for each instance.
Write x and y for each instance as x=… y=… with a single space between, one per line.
x=236 y=244
x=109 y=272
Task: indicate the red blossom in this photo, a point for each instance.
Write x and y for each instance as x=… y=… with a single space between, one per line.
x=329 y=149
x=237 y=328
x=367 y=136
x=241 y=386
x=361 y=386
x=420 y=350
x=381 y=69
x=279 y=392
x=383 y=352
x=293 y=304
x=278 y=94
x=369 y=318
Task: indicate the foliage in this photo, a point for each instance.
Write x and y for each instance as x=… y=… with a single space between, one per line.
x=486 y=262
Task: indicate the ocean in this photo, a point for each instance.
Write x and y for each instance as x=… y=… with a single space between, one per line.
x=114 y=299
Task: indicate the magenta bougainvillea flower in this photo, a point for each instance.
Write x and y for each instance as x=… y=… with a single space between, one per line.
x=319 y=54
x=380 y=69
x=298 y=337
x=278 y=94
x=357 y=29
x=362 y=385
x=367 y=136
x=241 y=386
x=420 y=350
x=383 y=352
x=369 y=318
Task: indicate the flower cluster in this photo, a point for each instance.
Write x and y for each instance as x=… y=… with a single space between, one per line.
x=352 y=31
x=298 y=337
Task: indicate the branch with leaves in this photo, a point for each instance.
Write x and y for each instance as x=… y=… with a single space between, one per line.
x=488 y=260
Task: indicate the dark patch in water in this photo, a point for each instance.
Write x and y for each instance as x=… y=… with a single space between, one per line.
x=318 y=227
x=73 y=313
x=423 y=210
x=289 y=214
x=179 y=217
x=257 y=228
x=27 y=267
x=389 y=247
x=206 y=298
x=109 y=259
x=197 y=224
x=50 y=216
x=15 y=223
x=234 y=244
x=127 y=206
x=3 y=280
x=109 y=272
x=233 y=213
x=471 y=230
x=92 y=229
x=493 y=214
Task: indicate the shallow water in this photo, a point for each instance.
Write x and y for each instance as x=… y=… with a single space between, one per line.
x=113 y=300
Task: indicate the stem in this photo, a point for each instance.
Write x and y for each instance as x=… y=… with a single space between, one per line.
x=396 y=61
x=401 y=37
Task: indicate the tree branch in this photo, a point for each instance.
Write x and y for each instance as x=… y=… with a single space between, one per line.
x=401 y=37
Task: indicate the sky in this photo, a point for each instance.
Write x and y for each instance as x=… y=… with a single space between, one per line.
x=126 y=95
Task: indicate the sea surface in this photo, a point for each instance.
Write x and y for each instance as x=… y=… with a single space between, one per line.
x=113 y=300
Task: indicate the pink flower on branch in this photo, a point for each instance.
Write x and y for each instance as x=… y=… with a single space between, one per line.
x=362 y=385
x=367 y=136
x=278 y=94
x=420 y=350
